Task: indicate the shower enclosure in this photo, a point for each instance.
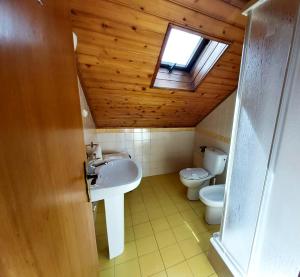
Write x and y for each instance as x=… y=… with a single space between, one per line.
x=260 y=230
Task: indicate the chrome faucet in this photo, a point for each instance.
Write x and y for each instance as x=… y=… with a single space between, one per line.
x=91 y=166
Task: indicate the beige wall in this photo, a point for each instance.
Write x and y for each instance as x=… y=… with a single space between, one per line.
x=215 y=130
x=89 y=127
x=158 y=150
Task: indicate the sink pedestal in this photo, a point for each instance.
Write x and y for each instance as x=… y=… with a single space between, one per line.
x=114 y=214
x=115 y=178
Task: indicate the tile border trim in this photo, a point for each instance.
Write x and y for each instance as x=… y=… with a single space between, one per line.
x=214 y=135
x=141 y=130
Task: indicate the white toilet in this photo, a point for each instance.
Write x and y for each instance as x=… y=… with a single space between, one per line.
x=195 y=178
x=213 y=198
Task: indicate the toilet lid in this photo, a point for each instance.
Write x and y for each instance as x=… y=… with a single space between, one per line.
x=193 y=173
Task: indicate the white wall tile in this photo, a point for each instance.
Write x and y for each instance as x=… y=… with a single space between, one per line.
x=137 y=136
x=158 y=152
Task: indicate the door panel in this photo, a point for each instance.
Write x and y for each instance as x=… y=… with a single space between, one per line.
x=46 y=222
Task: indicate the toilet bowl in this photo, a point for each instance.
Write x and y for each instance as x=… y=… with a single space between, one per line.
x=196 y=178
x=213 y=198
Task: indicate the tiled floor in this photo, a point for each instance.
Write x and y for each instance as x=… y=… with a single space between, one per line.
x=165 y=234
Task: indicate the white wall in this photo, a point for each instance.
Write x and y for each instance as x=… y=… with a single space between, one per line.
x=158 y=150
x=215 y=130
x=89 y=127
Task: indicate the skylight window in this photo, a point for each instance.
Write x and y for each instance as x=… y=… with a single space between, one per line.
x=185 y=59
x=181 y=47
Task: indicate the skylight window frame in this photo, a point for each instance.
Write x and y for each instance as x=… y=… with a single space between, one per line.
x=193 y=58
x=164 y=78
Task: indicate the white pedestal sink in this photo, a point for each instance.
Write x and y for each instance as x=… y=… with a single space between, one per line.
x=114 y=179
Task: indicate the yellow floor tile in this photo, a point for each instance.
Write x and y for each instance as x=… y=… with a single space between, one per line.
x=200 y=266
x=155 y=213
x=169 y=209
x=189 y=215
x=180 y=270
x=127 y=211
x=199 y=225
x=165 y=234
x=107 y=272
x=129 y=234
x=194 y=227
x=137 y=208
x=146 y=245
x=104 y=260
x=160 y=224
x=142 y=230
x=128 y=221
x=182 y=206
x=213 y=228
x=197 y=205
x=190 y=247
x=165 y=238
x=140 y=217
x=204 y=241
x=175 y=219
x=183 y=232
x=171 y=255
x=150 y=205
x=128 y=254
x=130 y=268
x=160 y=274
x=151 y=263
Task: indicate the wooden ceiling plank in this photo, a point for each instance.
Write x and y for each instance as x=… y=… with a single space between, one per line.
x=114 y=78
x=104 y=40
x=114 y=64
x=112 y=72
x=126 y=87
x=106 y=96
x=123 y=14
x=181 y=15
x=237 y=3
x=113 y=28
x=117 y=55
x=113 y=54
x=216 y=9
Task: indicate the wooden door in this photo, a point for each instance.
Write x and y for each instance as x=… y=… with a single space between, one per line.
x=46 y=222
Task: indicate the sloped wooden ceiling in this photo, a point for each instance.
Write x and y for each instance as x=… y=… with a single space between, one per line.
x=119 y=42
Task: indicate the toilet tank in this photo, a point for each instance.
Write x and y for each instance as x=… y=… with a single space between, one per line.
x=214 y=160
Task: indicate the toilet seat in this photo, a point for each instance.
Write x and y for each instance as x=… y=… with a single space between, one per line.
x=212 y=196
x=193 y=173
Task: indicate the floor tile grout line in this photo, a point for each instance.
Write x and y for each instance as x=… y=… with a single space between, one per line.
x=171 y=196
x=158 y=247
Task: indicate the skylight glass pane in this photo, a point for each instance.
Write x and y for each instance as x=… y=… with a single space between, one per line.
x=180 y=47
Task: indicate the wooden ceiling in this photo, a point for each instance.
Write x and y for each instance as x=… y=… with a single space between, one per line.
x=119 y=42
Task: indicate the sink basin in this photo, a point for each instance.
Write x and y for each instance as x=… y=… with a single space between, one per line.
x=115 y=178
